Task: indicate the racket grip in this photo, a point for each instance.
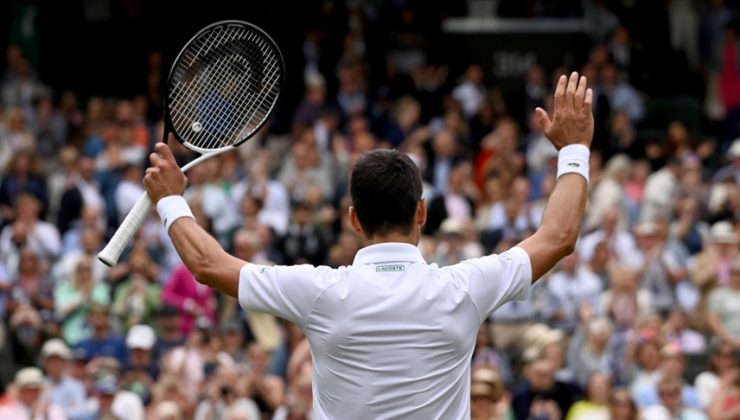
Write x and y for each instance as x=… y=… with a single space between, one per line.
x=134 y=219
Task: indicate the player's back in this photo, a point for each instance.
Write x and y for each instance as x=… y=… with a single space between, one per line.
x=393 y=340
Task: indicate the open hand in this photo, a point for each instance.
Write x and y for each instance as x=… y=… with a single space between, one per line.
x=573 y=120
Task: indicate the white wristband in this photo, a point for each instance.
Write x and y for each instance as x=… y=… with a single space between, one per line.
x=574 y=159
x=171 y=208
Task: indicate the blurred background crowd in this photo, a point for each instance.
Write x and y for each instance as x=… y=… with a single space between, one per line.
x=642 y=321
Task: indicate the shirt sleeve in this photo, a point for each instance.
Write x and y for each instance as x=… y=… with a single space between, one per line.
x=288 y=292
x=493 y=280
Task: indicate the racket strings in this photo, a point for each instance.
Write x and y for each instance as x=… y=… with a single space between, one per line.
x=226 y=82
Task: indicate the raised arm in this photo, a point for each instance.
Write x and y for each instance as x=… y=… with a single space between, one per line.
x=570 y=131
x=200 y=252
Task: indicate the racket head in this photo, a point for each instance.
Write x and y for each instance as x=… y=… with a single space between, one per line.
x=223 y=86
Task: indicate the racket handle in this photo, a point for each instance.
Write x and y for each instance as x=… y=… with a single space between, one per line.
x=134 y=219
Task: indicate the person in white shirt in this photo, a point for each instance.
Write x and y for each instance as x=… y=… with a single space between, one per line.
x=390 y=335
x=570 y=288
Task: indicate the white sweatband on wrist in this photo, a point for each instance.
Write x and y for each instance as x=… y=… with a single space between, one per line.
x=574 y=159
x=171 y=208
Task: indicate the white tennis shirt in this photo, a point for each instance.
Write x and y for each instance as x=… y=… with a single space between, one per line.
x=391 y=336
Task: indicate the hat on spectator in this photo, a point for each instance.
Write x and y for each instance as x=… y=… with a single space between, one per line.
x=265 y=329
x=722 y=232
x=734 y=151
x=30 y=377
x=141 y=337
x=56 y=347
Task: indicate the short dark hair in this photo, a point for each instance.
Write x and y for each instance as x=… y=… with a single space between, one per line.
x=386 y=188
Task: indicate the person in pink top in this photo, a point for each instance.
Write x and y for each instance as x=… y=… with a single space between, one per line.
x=194 y=299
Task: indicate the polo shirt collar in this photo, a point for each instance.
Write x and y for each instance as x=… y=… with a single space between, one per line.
x=388 y=252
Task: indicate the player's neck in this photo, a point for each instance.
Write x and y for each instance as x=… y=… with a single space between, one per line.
x=409 y=238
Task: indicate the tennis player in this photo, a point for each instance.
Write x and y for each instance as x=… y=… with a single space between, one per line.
x=392 y=336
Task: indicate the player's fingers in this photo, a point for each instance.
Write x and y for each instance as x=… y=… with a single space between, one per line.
x=580 y=93
x=543 y=118
x=154 y=159
x=165 y=152
x=560 y=93
x=570 y=90
x=588 y=101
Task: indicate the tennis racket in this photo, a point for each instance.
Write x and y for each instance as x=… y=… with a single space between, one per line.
x=221 y=90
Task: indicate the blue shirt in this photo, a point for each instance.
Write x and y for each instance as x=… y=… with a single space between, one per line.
x=69 y=394
x=111 y=346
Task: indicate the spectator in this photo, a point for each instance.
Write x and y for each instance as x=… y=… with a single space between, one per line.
x=28 y=231
x=485 y=355
x=27 y=402
x=73 y=299
x=723 y=362
x=660 y=189
x=677 y=332
x=671 y=404
x=62 y=390
x=732 y=169
x=621 y=406
x=625 y=301
x=470 y=92
x=569 y=289
x=137 y=298
x=169 y=335
x=540 y=392
x=22 y=176
x=142 y=367
x=724 y=404
x=619 y=242
x=610 y=192
x=304 y=243
x=671 y=369
x=103 y=342
x=457 y=200
x=26 y=334
x=589 y=351
x=90 y=244
x=487 y=394
x=595 y=406
x=128 y=190
x=724 y=304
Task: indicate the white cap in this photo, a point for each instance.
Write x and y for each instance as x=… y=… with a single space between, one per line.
x=56 y=347
x=141 y=337
x=722 y=232
x=29 y=377
x=734 y=150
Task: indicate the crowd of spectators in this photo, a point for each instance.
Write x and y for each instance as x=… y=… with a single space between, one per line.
x=643 y=319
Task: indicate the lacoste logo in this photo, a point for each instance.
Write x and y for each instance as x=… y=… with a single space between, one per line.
x=574 y=165
x=389 y=268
